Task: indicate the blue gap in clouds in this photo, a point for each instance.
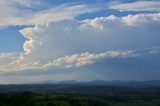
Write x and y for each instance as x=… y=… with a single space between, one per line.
x=59 y=2
x=11 y=39
x=108 y=12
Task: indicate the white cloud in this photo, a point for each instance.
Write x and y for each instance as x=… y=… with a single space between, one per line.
x=17 y=12
x=70 y=37
x=65 y=43
x=154 y=50
x=137 y=6
x=78 y=60
x=6 y=58
x=74 y=60
x=141 y=19
x=26 y=3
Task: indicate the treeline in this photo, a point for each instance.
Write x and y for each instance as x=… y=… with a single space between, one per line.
x=33 y=99
x=83 y=96
x=16 y=99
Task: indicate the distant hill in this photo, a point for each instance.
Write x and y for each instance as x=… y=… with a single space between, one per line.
x=72 y=84
x=152 y=83
x=58 y=82
x=122 y=83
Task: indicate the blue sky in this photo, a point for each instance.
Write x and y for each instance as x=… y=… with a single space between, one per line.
x=79 y=40
x=11 y=40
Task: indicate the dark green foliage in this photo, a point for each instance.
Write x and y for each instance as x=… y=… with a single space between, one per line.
x=82 y=95
x=16 y=99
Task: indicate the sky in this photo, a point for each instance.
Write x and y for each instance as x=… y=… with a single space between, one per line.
x=82 y=40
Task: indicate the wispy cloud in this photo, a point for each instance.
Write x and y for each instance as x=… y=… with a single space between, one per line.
x=78 y=60
x=74 y=60
x=137 y=6
x=17 y=12
x=6 y=58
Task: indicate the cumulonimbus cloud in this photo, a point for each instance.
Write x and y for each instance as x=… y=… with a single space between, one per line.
x=78 y=43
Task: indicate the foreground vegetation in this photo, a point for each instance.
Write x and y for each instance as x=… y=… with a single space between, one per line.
x=82 y=95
